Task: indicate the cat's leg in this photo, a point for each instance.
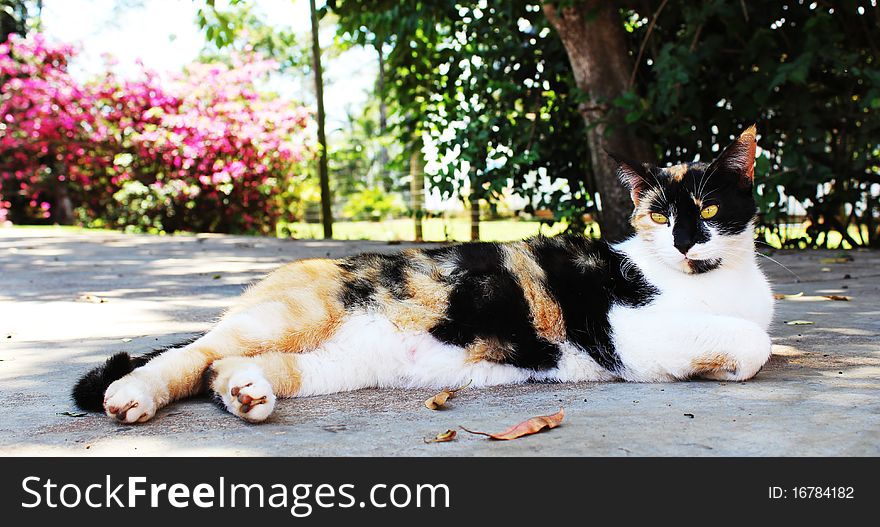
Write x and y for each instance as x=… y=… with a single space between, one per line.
x=367 y=351
x=668 y=346
x=294 y=309
x=248 y=386
x=178 y=373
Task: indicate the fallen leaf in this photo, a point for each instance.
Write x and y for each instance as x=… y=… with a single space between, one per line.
x=780 y=296
x=88 y=297
x=800 y=323
x=444 y=437
x=811 y=298
x=216 y=277
x=531 y=426
x=73 y=414
x=439 y=399
x=836 y=260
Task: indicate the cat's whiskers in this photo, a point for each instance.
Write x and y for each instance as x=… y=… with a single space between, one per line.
x=658 y=190
x=662 y=190
x=706 y=196
x=705 y=180
x=780 y=265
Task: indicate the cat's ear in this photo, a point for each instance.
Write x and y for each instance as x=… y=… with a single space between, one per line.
x=739 y=157
x=632 y=174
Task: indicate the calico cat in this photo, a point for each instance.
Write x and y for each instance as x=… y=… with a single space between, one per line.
x=683 y=298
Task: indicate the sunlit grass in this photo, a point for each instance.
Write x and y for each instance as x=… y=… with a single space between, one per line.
x=434 y=229
x=456 y=229
x=834 y=239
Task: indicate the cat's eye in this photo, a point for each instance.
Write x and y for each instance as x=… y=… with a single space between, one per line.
x=709 y=211
x=659 y=218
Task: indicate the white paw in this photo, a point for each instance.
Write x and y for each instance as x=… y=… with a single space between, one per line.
x=129 y=400
x=249 y=396
x=751 y=357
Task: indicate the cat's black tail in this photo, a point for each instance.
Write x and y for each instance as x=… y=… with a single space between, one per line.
x=88 y=393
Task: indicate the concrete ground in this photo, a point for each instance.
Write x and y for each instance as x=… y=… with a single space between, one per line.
x=69 y=300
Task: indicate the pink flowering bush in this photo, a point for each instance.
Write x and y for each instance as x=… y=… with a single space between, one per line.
x=206 y=152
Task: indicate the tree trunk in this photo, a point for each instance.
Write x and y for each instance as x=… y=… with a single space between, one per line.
x=417 y=189
x=474 y=200
x=383 y=120
x=593 y=36
x=62 y=206
x=62 y=211
x=324 y=176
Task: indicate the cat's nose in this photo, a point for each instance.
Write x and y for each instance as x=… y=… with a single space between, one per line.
x=683 y=246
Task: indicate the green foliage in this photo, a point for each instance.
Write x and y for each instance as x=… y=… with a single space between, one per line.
x=489 y=86
x=807 y=73
x=356 y=156
x=18 y=17
x=372 y=204
x=239 y=26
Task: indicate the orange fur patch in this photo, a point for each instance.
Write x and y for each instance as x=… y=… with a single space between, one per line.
x=545 y=310
x=491 y=350
x=677 y=172
x=281 y=370
x=713 y=364
x=429 y=296
x=309 y=290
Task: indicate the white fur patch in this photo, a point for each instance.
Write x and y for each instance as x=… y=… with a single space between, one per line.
x=369 y=351
x=725 y=311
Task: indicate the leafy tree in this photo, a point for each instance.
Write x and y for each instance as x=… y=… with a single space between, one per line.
x=806 y=72
x=18 y=16
x=489 y=85
x=238 y=26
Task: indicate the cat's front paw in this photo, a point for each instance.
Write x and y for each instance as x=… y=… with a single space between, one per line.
x=250 y=396
x=752 y=353
x=129 y=400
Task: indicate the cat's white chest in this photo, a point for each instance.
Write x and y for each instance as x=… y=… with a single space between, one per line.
x=739 y=290
x=742 y=293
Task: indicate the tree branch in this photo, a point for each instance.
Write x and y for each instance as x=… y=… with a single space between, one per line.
x=632 y=77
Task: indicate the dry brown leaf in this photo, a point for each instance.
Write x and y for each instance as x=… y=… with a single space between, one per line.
x=444 y=437
x=531 y=426
x=839 y=298
x=812 y=298
x=439 y=399
x=780 y=296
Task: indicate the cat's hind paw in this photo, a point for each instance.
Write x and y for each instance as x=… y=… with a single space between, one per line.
x=250 y=396
x=129 y=400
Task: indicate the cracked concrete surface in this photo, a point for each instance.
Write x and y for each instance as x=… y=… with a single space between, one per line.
x=69 y=300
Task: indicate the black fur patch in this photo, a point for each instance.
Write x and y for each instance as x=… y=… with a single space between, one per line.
x=704 y=266
x=392 y=275
x=357 y=292
x=88 y=393
x=587 y=278
x=389 y=270
x=487 y=302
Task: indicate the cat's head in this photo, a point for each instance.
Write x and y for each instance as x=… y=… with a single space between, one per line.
x=696 y=216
